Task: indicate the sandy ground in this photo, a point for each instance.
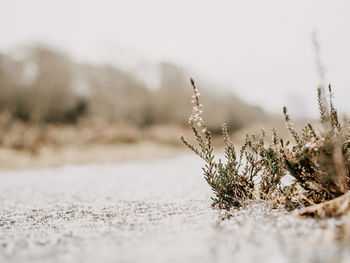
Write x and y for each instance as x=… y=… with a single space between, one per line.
x=88 y=153
x=147 y=211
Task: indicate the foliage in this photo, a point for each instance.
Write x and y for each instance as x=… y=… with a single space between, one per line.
x=44 y=86
x=318 y=162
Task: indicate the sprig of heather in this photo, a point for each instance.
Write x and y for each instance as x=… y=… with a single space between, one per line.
x=319 y=161
x=203 y=138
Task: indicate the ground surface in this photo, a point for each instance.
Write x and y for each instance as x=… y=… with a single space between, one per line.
x=87 y=153
x=151 y=211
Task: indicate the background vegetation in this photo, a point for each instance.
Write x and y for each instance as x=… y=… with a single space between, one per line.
x=42 y=88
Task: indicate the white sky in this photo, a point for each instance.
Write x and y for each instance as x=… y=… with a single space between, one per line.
x=259 y=49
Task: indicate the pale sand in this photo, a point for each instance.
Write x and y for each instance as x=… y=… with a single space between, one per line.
x=84 y=154
x=147 y=211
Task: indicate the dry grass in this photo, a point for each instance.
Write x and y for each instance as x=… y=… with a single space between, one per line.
x=29 y=145
x=31 y=136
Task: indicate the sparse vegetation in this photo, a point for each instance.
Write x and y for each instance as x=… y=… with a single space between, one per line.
x=43 y=90
x=317 y=161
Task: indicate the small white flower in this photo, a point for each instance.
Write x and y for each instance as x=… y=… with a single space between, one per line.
x=192 y=101
x=308 y=145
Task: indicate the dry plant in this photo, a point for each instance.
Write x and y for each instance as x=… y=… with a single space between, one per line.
x=318 y=161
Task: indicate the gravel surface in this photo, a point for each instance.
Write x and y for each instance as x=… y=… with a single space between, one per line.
x=154 y=211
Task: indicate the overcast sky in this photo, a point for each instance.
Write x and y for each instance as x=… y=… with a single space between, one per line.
x=261 y=50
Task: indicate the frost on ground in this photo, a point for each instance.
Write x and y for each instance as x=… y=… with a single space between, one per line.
x=155 y=211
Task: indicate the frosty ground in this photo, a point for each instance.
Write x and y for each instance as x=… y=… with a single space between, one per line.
x=149 y=211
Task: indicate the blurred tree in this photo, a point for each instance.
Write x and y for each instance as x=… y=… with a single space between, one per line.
x=171 y=100
x=117 y=96
x=52 y=97
x=43 y=85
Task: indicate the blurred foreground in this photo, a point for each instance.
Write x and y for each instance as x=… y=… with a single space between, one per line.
x=156 y=211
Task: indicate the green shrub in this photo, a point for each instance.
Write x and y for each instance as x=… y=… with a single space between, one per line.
x=317 y=161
